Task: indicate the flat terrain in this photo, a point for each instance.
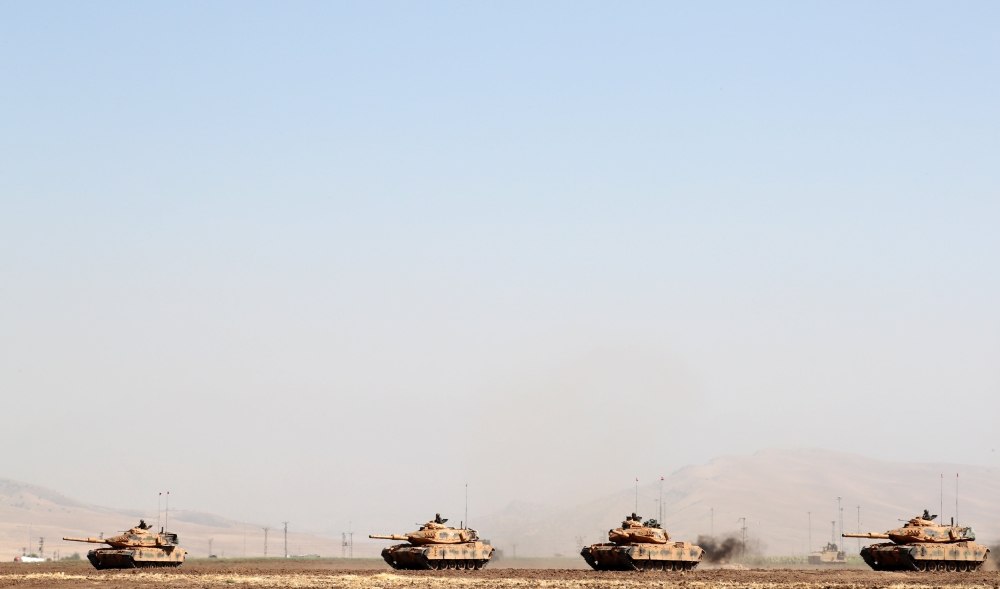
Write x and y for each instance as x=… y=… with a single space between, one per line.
x=303 y=574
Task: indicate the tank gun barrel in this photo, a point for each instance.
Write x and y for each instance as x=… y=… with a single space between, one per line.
x=388 y=537
x=90 y=540
x=867 y=535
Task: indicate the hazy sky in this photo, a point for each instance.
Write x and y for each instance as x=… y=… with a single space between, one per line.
x=327 y=262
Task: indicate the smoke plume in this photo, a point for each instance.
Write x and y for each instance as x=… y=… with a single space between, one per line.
x=720 y=551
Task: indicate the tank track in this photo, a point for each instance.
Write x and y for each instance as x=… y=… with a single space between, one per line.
x=906 y=563
x=415 y=559
x=624 y=562
x=129 y=563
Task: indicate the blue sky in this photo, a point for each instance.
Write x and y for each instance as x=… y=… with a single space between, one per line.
x=275 y=230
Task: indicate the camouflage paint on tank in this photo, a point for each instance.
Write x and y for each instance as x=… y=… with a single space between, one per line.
x=921 y=545
x=436 y=546
x=641 y=546
x=136 y=548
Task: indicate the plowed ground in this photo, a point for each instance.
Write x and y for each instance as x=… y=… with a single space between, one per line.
x=63 y=576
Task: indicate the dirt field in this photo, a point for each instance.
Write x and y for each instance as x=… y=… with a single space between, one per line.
x=304 y=574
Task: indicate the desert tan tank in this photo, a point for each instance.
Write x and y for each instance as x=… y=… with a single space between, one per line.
x=831 y=554
x=921 y=545
x=639 y=546
x=136 y=548
x=436 y=546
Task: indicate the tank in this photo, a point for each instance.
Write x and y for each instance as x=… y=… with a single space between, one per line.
x=435 y=547
x=922 y=545
x=641 y=546
x=831 y=554
x=136 y=548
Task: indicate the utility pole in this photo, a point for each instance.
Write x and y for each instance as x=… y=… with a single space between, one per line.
x=661 y=503
x=350 y=539
x=840 y=511
x=833 y=532
x=743 y=536
x=41 y=547
x=265 y=528
x=859 y=527
x=343 y=545
x=810 y=531
x=286 y=539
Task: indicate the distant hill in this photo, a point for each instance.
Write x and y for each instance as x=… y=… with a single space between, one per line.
x=774 y=487
x=47 y=514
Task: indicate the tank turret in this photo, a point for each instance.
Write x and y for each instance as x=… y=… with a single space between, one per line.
x=437 y=546
x=639 y=545
x=634 y=530
x=137 y=547
x=924 y=545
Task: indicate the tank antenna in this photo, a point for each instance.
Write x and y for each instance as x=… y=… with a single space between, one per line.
x=956 y=498
x=942 y=499
x=159 y=499
x=466 y=504
x=166 y=514
x=636 y=495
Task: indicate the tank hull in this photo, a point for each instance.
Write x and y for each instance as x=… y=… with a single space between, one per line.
x=672 y=556
x=133 y=558
x=958 y=556
x=467 y=555
x=828 y=558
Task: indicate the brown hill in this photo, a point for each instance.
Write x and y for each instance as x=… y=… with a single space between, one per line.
x=41 y=513
x=776 y=488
